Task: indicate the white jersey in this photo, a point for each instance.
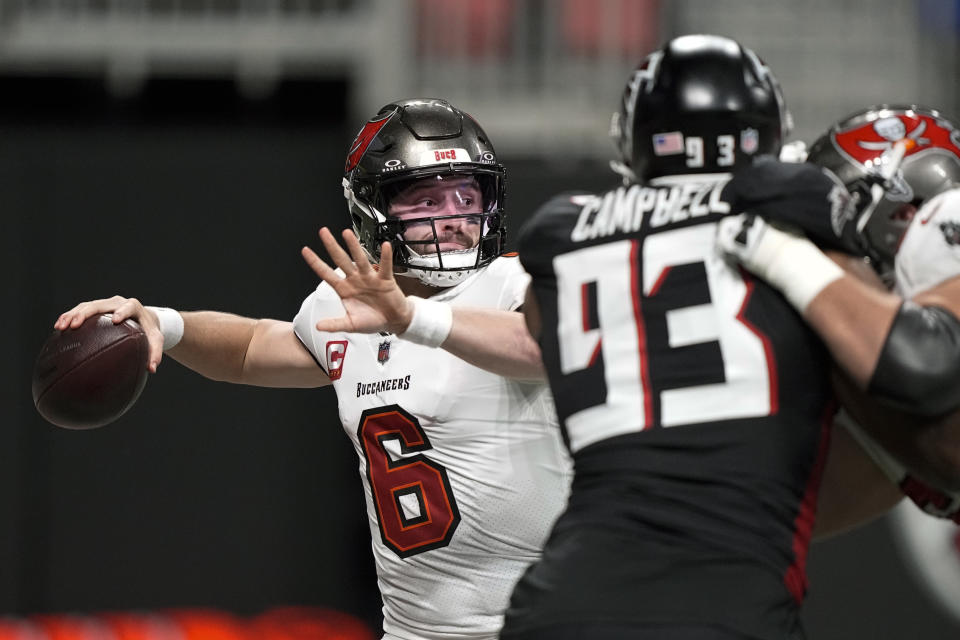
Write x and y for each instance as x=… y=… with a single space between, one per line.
x=464 y=471
x=928 y=255
x=930 y=251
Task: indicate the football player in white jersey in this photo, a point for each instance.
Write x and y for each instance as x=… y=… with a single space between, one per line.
x=901 y=345
x=463 y=469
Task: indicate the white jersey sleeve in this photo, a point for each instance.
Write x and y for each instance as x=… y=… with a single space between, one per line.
x=322 y=303
x=930 y=251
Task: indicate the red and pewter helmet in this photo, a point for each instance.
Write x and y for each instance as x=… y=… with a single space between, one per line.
x=854 y=149
x=407 y=141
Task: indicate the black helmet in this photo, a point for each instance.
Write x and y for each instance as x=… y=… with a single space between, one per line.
x=702 y=104
x=854 y=149
x=413 y=140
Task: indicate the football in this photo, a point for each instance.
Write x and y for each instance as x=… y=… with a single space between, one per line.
x=89 y=376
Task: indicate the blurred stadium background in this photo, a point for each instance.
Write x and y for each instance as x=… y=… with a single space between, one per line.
x=182 y=151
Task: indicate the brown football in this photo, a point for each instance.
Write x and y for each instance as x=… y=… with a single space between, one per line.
x=90 y=376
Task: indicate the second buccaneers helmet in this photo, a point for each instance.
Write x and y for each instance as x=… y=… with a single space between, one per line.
x=855 y=148
x=702 y=104
x=410 y=141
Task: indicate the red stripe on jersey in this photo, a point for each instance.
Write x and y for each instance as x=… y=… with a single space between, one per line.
x=585 y=321
x=595 y=354
x=585 y=306
x=795 y=578
x=641 y=334
x=767 y=346
x=656 y=285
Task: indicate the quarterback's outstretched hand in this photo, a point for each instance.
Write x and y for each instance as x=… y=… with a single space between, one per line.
x=371 y=298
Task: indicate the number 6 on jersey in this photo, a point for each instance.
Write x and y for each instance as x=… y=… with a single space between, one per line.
x=415 y=507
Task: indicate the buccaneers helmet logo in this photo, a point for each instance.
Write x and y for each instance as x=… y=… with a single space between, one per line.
x=363 y=140
x=918 y=131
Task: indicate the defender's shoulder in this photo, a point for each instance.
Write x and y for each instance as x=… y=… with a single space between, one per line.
x=552 y=221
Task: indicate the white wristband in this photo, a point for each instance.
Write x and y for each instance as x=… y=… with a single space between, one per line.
x=431 y=322
x=795 y=266
x=171 y=325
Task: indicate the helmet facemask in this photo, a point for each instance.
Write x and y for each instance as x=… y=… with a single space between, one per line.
x=439 y=250
x=427 y=143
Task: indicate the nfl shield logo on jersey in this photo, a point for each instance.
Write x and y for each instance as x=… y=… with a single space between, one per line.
x=383 y=352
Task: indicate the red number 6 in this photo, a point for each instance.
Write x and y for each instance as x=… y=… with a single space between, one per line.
x=415 y=506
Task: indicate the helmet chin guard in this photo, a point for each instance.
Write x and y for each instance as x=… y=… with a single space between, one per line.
x=454 y=268
x=425 y=260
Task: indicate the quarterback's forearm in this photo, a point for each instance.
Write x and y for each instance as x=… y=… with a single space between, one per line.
x=230 y=348
x=495 y=340
x=214 y=344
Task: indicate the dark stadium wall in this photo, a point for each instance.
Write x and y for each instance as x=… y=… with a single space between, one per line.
x=207 y=494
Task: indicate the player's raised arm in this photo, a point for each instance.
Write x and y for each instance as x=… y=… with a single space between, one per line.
x=496 y=340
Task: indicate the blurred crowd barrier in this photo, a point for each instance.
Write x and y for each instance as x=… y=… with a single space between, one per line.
x=546 y=75
x=281 y=623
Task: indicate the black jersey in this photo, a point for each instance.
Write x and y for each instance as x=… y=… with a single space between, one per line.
x=696 y=405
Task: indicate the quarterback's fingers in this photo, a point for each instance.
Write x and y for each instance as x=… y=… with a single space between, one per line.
x=339 y=256
x=156 y=352
x=67 y=317
x=129 y=309
x=334 y=325
x=319 y=267
x=155 y=340
x=386 y=261
x=76 y=316
x=356 y=251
